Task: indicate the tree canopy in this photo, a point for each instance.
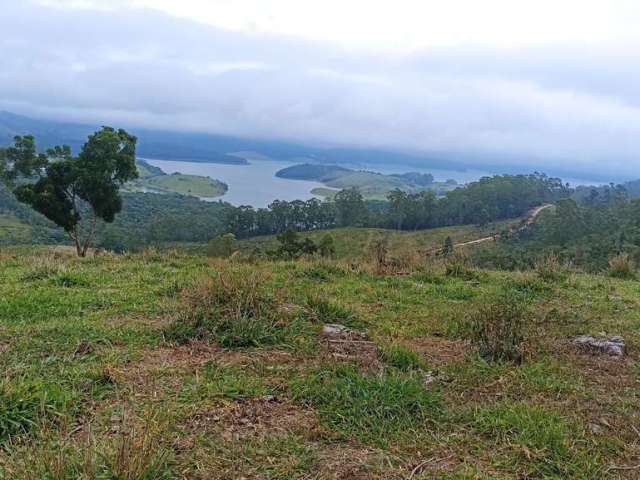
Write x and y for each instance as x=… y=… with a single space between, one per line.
x=67 y=189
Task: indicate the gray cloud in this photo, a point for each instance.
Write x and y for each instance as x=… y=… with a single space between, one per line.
x=564 y=109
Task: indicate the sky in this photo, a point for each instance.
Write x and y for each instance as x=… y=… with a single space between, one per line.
x=527 y=84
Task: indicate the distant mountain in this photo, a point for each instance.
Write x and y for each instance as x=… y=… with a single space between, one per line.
x=151 y=144
x=201 y=147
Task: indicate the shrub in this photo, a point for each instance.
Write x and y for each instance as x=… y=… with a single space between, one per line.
x=233 y=308
x=622 y=266
x=222 y=245
x=402 y=358
x=498 y=329
x=370 y=408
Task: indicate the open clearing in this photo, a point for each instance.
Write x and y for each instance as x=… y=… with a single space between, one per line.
x=93 y=387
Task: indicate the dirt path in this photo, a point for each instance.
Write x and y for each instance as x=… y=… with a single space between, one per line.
x=492 y=238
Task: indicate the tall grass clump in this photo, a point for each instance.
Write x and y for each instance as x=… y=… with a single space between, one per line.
x=136 y=452
x=23 y=407
x=622 y=266
x=402 y=357
x=234 y=308
x=371 y=408
x=458 y=265
x=550 y=269
x=325 y=311
x=498 y=329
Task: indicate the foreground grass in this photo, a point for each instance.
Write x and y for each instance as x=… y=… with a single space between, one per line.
x=177 y=366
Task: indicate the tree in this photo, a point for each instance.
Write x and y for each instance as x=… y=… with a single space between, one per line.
x=350 y=208
x=73 y=192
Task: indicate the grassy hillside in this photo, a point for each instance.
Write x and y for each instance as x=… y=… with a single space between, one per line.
x=172 y=366
x=354 y=242
x=153 y=180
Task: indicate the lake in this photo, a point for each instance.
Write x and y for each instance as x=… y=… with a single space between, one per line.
x=254 y=184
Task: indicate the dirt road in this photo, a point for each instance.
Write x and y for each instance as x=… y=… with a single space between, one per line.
x=492 y=238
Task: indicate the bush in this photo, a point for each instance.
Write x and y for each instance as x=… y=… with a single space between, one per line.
x=371 y=408
x=233 y=308
x=622 y=266
x=222 y=246
x=498 y=330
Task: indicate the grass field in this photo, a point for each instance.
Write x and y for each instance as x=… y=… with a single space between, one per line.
x=13 y=230
x=352 y=243
x=100 y=379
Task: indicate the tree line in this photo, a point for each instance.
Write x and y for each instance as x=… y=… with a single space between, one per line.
x=489 y=199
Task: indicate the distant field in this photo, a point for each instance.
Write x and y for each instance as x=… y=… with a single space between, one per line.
x=188 y=185
x=13 y=230
x=153 y=180
x=355 y=242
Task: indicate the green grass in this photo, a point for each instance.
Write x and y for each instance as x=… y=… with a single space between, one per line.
x=353 y=243
x=253 y=390
x=193 y=185
x=372 y=408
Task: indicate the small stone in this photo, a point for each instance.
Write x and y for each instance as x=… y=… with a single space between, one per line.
x=595 y=429
x=335 y=330
x=613 y=346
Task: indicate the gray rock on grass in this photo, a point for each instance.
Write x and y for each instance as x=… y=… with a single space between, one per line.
x=613 y=346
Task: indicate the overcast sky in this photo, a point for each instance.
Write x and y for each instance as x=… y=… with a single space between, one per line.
x=535 y=83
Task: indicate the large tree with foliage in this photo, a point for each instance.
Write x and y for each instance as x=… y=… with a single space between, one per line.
x=73 y=192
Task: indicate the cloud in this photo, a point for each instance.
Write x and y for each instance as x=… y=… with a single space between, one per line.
x=562 y=108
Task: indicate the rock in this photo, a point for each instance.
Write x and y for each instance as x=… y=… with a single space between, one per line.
x=595 y=429
x=335 y=330
x=613 y=346
x=435 y=376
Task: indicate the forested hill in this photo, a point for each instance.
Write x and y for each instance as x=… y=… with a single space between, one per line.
x=371 y=185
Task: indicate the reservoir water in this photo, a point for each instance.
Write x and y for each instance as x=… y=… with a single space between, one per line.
x=254 y=184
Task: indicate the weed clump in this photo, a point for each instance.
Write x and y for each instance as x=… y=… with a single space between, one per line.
x=23 y=407
x=233 y=308
x=403 y=358
x=498 y=329
x=550 y=269
x=458 y=265
x=622 y=266
x=324 y=311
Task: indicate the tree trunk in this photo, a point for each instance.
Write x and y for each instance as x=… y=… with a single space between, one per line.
x=89 y=239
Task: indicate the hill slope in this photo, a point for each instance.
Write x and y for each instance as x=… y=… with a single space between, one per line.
x=96 y=368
